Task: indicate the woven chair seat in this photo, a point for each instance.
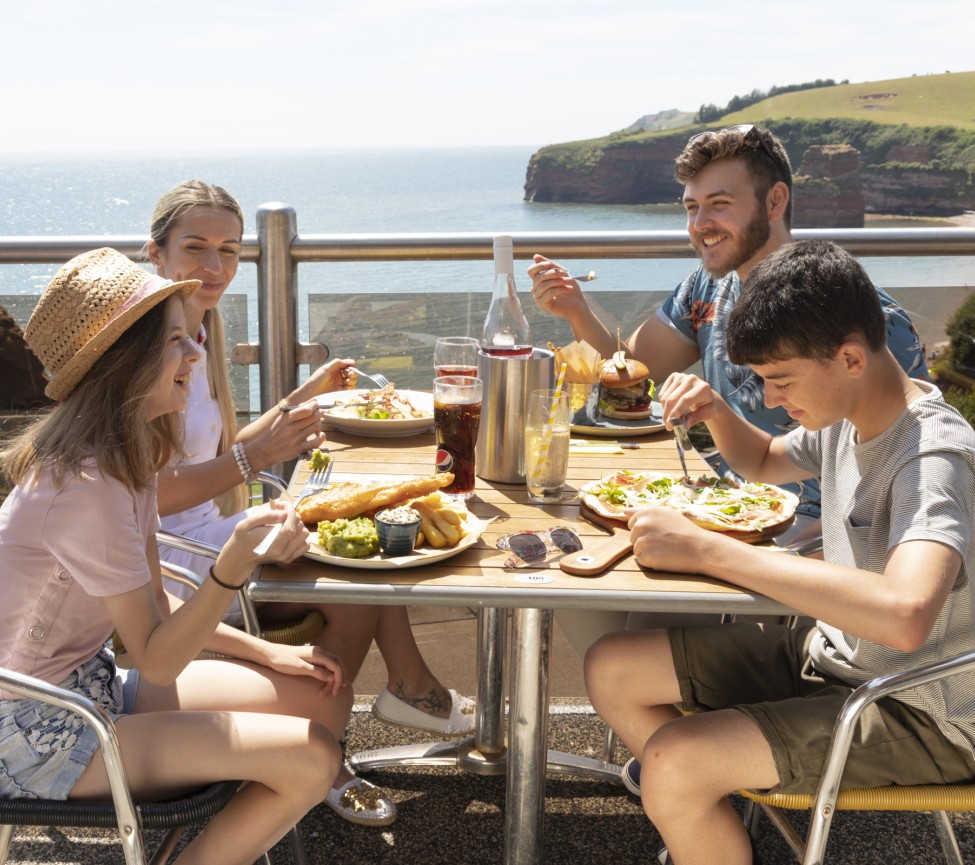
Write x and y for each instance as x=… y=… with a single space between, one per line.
x=192 y=808
x=947 y=797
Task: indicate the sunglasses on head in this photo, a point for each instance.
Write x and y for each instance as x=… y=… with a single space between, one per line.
x=532 y=547
x=749 y=132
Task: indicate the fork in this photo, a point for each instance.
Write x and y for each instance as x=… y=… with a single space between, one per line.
x=682 y=440
x=379 y=379
x=317 y=481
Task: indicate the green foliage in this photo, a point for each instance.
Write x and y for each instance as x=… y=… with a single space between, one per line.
x=710 y=112
x=963 y=400
x=950 y=147
x=961 y=333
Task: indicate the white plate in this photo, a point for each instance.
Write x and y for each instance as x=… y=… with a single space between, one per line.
x=423 y=556
x=588 y=420
x=420 y=400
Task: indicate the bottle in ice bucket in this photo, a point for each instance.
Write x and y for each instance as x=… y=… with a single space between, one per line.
x=506 y=330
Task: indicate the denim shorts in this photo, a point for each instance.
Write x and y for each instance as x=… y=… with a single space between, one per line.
x=44 y=749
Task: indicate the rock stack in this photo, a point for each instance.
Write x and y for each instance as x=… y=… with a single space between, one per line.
x=828 y=188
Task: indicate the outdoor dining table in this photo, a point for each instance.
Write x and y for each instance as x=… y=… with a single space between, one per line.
x=477 y=578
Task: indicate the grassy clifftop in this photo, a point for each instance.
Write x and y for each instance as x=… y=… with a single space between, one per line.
x=929 y=100
x=934 y=110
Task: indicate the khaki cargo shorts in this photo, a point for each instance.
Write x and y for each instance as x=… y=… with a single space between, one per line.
x=767 y=674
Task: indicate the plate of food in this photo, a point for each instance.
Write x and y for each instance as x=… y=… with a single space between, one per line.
x=747 y=511
x=344 y=517
x=382 y=412
x=622 y=403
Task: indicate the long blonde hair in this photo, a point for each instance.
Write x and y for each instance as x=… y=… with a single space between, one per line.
x=169 y=209
x=105 y=417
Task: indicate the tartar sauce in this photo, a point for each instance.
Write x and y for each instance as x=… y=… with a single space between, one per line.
x=401 y=515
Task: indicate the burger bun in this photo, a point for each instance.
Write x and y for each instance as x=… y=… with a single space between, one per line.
x=633 y=372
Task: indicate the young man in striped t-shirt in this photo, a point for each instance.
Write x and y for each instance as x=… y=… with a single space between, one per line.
x=898 y=480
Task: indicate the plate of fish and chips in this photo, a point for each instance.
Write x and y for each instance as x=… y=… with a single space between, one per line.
x=446 y=526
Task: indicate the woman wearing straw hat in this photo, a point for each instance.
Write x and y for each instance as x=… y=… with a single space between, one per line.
x=195 y=233
x=79 y=558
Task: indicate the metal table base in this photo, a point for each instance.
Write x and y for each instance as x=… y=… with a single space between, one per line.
x=485 y=753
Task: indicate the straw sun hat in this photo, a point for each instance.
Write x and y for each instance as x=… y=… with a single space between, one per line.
x=89 y=304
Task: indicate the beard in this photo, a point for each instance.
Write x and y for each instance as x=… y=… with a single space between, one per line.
x=755 y=235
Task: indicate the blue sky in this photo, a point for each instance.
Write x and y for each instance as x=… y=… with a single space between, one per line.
x=193 y=75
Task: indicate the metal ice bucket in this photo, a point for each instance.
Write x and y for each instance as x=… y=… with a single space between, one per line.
x=500 y=452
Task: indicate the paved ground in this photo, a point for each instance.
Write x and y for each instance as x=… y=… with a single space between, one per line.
x=450 y=818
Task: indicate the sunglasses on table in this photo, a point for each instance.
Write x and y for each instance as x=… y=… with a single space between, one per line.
x=531 y=548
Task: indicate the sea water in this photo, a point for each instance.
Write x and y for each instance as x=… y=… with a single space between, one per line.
x=355 y=191
x=384 y=190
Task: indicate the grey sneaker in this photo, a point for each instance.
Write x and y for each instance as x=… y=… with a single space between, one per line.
x=630 y=775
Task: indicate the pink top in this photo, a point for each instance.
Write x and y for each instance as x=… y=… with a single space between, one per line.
x=61 y=551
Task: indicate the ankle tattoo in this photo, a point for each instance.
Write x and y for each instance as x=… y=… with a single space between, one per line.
x=433 y=701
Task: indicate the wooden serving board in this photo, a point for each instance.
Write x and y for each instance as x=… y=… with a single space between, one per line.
x=601 y=553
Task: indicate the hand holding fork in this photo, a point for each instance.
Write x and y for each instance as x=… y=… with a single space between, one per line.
x=317 y=481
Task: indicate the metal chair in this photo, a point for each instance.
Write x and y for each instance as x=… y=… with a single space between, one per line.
x=121 y=812
x=938 y=799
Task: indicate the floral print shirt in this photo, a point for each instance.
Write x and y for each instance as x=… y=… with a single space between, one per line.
x=698 y=313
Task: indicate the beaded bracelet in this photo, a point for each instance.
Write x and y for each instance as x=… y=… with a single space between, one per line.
x=221 y=583
x=240 y=457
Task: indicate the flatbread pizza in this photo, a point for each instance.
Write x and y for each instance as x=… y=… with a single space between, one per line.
x=716 y=504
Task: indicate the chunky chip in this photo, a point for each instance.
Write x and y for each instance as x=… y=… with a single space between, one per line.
x=442 y=520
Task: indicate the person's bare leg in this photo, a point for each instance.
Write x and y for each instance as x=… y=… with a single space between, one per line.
x=688 y=768
x=290 y=761
x=247 y=688
x=688 y=765
x=349 y=628
x=408 y=676
x=632 y=684
x=349 y=632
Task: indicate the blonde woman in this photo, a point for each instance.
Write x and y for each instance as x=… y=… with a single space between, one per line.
x=196 y=233
x=78 y=558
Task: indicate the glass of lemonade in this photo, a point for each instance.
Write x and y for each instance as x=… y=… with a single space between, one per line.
x=547 y=444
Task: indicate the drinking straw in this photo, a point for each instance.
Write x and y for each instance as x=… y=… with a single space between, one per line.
x=549 y=424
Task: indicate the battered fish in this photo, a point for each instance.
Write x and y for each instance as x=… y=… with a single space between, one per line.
x=349 y=499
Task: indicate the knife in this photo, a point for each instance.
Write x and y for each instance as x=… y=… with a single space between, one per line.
x=682 y=440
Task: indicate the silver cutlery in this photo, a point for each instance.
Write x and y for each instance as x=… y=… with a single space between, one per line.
x=379 y=379
x=347 y=404
x=317 y=481
x=589 y=277
x=682 y=440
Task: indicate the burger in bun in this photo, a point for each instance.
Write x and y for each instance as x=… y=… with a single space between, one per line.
x=625 y=388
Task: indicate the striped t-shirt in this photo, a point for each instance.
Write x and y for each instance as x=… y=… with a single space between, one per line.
x=916 y=481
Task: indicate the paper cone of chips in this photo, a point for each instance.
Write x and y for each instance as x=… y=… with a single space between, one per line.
x=582 y=362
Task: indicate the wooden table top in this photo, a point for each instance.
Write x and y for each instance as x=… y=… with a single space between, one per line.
x=477 y=576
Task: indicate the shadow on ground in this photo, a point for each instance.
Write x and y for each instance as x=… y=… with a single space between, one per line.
x=450 y=818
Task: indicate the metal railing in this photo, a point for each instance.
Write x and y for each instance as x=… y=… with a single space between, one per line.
x=278 y=249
